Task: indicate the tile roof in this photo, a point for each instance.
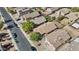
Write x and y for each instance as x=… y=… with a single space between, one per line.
x=45 y=28
x=76 y=25
x=39 y=20
x=31 y=15
x=57 y=37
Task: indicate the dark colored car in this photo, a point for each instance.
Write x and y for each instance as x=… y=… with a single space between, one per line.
x=18 y=19
x=15 y=35
x=10 y=26
x=7 y=21
x=33 y=48
x=16 y=25
x=16 y=40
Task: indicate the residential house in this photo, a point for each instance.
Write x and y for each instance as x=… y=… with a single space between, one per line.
x=71 y=30
x=76 y=25
x=39 y=20
x=30 y=15
x=56 y=38
x=73 y=46
x=45 y=28
x=70 y=18
x=21 y=11
x=73 y=16
x=47 y=11
x=54 y=8
x=62 y=12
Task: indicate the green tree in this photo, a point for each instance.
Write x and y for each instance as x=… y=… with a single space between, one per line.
x=60 y=18
x=53 y=18
x=1 y=24
x=28 y=26
x=49 y=18
x=75 y=9
x=35 y=36
x=11 y=10
x=41 y=9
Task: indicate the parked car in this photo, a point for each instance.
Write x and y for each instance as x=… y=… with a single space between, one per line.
x=15 y=35
x=10 y=26
x=18 y=19
x=6 y=21
x=15 y=24
x=33 y=48
x=16 y=40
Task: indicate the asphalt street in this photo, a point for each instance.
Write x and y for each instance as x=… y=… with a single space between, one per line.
x=22 y=42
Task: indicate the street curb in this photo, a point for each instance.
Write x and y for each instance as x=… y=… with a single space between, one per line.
x=22 y=30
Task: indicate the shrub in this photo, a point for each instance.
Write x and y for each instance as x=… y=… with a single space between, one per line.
x=49 y=18
x=65 y=22
x=11 y=11
x=1 y=24
x=28 y=26
x=41 y=9
x=75 y=9
x=35 y=36
x=53 y=18
x=60 y=18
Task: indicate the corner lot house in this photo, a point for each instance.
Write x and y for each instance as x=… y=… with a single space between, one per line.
x=45 y=28
x=22 y=10
x=56 y=39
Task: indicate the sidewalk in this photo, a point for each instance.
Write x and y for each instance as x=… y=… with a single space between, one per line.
x=13 y=41
x=22 y=30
